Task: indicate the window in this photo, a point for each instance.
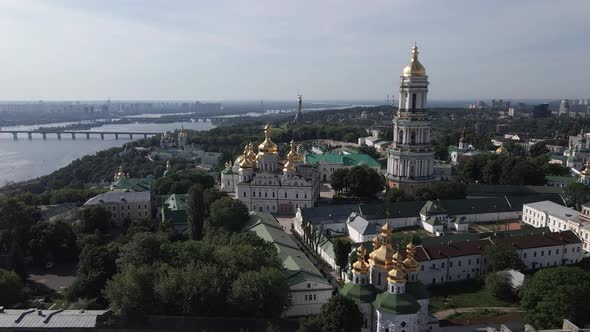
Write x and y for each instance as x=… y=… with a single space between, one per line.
x=565 y=250
x=469 y=262
x=524 y=255
x=557 y=251
x=403 y=324
x=273 y=194
x=265 y=194
x=305 y=297
x=542 y=252
x=477 y=261
x=296 y=195
x=308 y=285
x=450 y=264
x=549 y=253
x=253 y=194
x=314 y=297
x=459 y=263
x=285 y=195
x=535 y=254
x=421 y=267
x=244 y=194
x=443 y=265
x=413 y=101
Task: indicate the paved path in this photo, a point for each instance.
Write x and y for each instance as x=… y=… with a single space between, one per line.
x=444 y=314
x=332 y=276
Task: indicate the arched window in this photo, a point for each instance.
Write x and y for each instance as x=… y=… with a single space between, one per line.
x=400 y=137
x=413 y=137
x=413 y=101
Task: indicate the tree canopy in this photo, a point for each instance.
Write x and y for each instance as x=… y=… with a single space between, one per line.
x=340 y=314
x=228 y=213
x=556 y=293
x=502 y=256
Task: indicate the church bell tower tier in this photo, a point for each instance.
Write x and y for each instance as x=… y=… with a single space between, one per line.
x=410 y=158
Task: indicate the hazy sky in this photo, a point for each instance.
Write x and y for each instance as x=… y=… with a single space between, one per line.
x=253 y=49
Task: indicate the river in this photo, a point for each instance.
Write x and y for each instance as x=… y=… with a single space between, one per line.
x=26 y=159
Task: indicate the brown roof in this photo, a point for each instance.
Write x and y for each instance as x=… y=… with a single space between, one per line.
x=476 y=247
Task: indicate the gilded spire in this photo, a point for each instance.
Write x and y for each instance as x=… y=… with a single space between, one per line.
x=382 y=256
x=120 y=174
x=267 y=146
x=414 y=68
x=410 y=263
x=244 y=160
x=376 y=243
x=361 y=266
x=397 y=273
x=251 y=154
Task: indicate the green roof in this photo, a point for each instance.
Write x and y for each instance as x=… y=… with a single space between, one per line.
x=399 y=304
x=134 y=184
x=174 y=209
x=360 y=293
x=489 y=190
x=354 y=159
x=297 y=267
x=431 y=207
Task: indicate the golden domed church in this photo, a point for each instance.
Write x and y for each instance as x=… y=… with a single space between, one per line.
x=387 y=290
x=410 y=158
x=265 y=183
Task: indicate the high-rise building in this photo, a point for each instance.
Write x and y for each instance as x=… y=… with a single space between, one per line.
x=410 y=160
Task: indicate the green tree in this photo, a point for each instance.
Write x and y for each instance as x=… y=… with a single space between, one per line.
x=143 y=249
x=556 y=293
x=342 y=249
x=11 y=288
x=96 y=265
x=196 y=212
x=363 y=181
x=340 y=314
x=228 y=213
x=499 y=284
x=95 y=217
x=576 y=194
x=131 y=292
x=263 y=293
x=338 y=180
x=371 y=151
x=538 y=149
x=53 y=240
x=502 y=256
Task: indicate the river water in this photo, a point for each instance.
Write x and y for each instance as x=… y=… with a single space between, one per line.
x=26 y=159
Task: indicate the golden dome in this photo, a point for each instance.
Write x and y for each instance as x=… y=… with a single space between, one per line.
x=120 y=173
x=168 y=165
x=397 y=274
x=244 y=160
x=267 y=146
x=501 y=150
x=376 y=243
x=382 y=256
x=410 y=263
x=251 y=154
x=361 y=266
x=182 y=133
x=414 y=68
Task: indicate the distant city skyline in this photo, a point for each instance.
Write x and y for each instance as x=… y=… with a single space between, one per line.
x=235 y=50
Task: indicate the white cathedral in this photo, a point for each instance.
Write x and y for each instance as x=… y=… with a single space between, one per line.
x=265 y=184
x=410 y=158
x=387 y=289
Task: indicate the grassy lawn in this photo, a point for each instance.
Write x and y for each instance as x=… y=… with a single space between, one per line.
x=485 y=317
x=485 y=313
x=463 y=295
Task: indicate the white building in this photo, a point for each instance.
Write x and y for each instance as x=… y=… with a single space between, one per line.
x=266 y=185
x=124 y=205
x=559 y=218
x=410 y=159
x=309 y=289
x=328 y=163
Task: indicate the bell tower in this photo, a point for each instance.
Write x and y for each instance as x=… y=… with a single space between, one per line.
x=410 y=158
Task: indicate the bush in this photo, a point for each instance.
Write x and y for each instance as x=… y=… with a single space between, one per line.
x=499 y=284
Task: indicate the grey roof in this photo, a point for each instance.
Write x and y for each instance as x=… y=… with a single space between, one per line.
x=363 y=226
x=118 y=197
x=556 y=210
x=32 y=318
x=328 y=214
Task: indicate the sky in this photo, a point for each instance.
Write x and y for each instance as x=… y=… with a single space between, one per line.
x=270 y=49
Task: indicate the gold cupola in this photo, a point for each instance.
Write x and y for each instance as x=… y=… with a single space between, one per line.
x=251 y=154
x=267 y=146
x=244 y=160
x=382 y=256
x=414 y=68
x=361 y=266
x=410 y=263
x=120 y=174
x=376 y=243
x=397 y=274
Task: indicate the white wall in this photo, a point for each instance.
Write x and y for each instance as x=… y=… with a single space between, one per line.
x=308 y=298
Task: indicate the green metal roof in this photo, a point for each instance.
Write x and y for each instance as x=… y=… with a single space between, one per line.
x=354 y=159
x=360 y=293
x=399 y=304
x=297 y=267
x=174 y=208
x=134 y=184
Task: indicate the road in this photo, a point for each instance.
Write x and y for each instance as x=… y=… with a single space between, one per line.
x=444 y=314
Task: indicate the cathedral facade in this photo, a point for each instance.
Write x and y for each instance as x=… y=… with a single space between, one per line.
x=387 y=290
x=266 y=184
x=410 y=158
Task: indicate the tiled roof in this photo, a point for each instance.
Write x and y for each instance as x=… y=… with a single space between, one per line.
x=298 y=268
x=353 y=159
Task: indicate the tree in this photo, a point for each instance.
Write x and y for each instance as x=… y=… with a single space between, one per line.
x=211 y=195
x=143 y=249
x=340 y=314
x=131 y=292
x=371 y=151
x=228 y=213
x=196 y=212
x=556 y=293
x=502 y=256
x=263 y=293
x=55 y=240
x=96 y=265
x=338 y=180
x=499 y=284
x=342 y=249
x=11 y=288
x=363 y=181
x=95 y=217
x=538 y=149
x=576 y=194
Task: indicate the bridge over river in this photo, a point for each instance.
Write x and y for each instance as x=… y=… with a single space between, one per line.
x=73 y=134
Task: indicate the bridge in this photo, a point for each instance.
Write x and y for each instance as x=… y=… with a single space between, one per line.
x=73 y=134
